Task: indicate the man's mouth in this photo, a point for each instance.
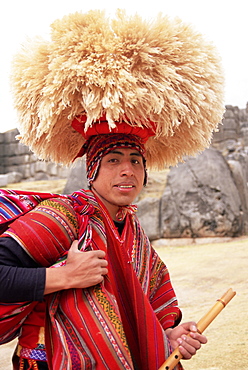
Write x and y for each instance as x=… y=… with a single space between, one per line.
x=125 y=186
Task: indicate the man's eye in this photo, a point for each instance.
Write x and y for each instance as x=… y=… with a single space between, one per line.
x=135 y=161
x=112 y=160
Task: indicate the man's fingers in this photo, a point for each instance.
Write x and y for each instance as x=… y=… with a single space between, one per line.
x=104 y=271
x=96 y=253
x=74 y=246
x=188 y=346
x=201 y=338
x=99 y=253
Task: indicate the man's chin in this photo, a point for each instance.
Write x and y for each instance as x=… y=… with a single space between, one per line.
x=124 y=201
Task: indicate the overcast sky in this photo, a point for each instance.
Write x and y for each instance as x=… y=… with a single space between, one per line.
x=221 y=21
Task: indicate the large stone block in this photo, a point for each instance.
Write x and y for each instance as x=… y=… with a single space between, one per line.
x=3 y=180
x=230 y=112
x=17 y=160
x=2 y=149
x=10 y=149
x=13 y=168
x=41 y=176
x=77 y=177
x=63 y=172
x=149 y=216
x=201 y=199
x=52 y=169
x=15 y=149
x=218 y=136
x=230 y=135
x=230 y=124
x=41 y=166
x=24 y=169
x=22 y=149
x=10 y=136
x=14 y=177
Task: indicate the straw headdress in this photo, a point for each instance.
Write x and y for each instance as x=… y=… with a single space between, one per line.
x=159 y=73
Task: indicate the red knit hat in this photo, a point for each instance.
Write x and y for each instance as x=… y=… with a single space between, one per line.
x=100 y=141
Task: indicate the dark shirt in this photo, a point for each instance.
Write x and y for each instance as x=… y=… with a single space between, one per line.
x=120 y=226
x=21 y=278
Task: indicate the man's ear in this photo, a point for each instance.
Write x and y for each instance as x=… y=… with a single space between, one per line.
x=146 y=175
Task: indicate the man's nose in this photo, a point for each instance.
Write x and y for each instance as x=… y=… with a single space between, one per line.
x=127 y=169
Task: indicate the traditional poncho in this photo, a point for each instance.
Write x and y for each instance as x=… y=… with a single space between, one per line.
x=118 y=324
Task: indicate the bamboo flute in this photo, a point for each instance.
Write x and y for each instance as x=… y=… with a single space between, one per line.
x=202 y=324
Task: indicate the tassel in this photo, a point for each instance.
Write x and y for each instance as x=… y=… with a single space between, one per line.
x=32 y=364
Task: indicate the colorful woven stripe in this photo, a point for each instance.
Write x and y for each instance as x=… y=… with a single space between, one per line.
x=16 y=203
x=34 y=354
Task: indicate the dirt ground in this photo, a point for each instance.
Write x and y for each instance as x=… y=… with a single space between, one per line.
x=202 y=271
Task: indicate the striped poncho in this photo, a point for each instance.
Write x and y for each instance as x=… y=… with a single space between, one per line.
x=118 y=324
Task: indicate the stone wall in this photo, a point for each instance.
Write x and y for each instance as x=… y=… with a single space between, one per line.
x=18 y=163
x=233 y=130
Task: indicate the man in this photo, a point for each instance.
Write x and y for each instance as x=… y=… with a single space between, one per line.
x=119 y=179
x=95 y=295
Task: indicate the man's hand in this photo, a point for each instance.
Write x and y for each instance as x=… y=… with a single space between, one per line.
x=85 y=269
x=186 y=338
x=82 y=270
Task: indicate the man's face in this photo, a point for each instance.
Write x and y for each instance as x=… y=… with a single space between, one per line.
x=120 y=178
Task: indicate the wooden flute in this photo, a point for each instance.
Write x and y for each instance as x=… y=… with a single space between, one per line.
x=202 y=324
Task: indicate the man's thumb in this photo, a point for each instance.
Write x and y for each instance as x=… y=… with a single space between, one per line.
x=74 y=246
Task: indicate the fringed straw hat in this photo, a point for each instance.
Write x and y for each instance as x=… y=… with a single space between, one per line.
x=160 y=75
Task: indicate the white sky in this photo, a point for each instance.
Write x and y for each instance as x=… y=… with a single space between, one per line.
x=221 y=21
